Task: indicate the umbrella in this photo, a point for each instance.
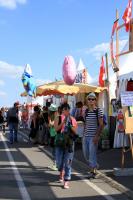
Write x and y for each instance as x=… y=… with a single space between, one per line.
x=60 y=87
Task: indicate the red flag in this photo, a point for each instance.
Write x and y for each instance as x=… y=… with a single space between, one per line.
x=102 y=74
x=114 y=27
x=127 y=15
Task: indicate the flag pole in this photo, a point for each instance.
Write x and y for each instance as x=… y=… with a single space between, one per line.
x=117 y=43
x=107 y=85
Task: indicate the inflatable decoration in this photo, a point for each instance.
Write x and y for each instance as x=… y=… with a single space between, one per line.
x=28 y=81
x=69 y=70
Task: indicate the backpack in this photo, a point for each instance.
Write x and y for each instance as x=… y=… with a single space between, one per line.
x=96 y=111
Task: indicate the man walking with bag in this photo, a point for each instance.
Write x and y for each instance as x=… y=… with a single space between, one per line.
x=93 y=128
x=12 y=120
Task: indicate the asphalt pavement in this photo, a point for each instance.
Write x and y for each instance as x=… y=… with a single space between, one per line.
x=31 y=163
x=108 y=160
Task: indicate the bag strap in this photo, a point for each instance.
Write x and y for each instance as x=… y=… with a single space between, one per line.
x=96 y=112
x=86 y=111
x=59 y=122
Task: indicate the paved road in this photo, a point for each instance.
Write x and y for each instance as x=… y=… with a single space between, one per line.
x=24 y=174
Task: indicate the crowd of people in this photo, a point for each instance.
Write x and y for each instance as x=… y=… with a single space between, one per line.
x=57 y=127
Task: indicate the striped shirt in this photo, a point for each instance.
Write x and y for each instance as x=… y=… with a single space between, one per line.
x=91 y=122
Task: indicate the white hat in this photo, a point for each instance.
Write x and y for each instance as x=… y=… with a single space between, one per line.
x=53 y=108
x=92 y=94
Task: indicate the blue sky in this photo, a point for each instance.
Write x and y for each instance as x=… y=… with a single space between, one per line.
x=43 y=32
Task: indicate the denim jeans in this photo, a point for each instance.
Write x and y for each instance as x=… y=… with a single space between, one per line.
x=90 y=151
x=64 y=161
x=13 y=128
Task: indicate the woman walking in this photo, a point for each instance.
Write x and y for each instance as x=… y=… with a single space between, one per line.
x=66 y=128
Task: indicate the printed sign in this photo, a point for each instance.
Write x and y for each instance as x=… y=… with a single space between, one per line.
x=81 y=76
x=127 y=98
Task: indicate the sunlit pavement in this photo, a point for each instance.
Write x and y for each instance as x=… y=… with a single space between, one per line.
x=25 y=174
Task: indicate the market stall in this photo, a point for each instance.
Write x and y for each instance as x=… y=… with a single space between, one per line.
x=59 y=87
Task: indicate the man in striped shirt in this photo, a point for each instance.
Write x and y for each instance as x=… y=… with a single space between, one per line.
x=93 y=128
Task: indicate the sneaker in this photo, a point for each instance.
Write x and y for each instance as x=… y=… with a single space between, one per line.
x=10 y=142
x=66 y=185
x=91 y=175
x=53 y=167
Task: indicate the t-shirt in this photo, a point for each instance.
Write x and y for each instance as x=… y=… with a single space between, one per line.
x=12 y=115
x=91 y=122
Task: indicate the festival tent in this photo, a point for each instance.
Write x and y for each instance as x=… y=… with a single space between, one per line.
x=127 y=76
x=81 y=67
x=59 y=87
x=125 y=67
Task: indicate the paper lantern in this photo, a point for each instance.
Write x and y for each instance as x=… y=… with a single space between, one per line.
x=69 y=70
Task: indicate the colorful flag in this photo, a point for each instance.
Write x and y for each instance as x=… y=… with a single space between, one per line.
x=127 y=15
x=114 y=27
x=102 y=74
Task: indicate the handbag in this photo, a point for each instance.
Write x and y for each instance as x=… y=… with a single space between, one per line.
x=52 y=131
x=60 y=140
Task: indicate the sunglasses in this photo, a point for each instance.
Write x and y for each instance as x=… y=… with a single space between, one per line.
x=89 y=99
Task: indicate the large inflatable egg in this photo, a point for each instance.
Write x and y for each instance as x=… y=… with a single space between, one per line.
x=69 y=70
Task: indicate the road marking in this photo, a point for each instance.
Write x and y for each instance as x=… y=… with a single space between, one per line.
x=95 y=187
x=83 y=178
x=21 y=185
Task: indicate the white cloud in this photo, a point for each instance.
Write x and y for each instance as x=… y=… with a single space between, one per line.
x=2 y=83
x=41 y=81
x=2 y=93
x=11 y=71
x=100 y=49
x=11 y=4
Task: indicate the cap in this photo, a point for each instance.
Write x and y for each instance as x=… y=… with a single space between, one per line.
x=92 y=95
x=53 y=108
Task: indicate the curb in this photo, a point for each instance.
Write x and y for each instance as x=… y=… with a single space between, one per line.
x=116 y=185
x=104 y=177
x=110 y=181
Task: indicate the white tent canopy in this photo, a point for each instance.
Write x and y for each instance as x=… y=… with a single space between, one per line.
x=125 y=67
x=80 y=67
x=127 y=76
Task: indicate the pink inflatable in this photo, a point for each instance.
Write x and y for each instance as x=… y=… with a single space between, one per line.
x=69 y=70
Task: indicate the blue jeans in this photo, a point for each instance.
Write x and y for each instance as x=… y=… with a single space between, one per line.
x=13 y=128
x=90 y=151
x=64 y=161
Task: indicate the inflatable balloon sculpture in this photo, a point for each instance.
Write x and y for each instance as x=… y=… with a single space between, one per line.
x=28 y=81
x=69 y=70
